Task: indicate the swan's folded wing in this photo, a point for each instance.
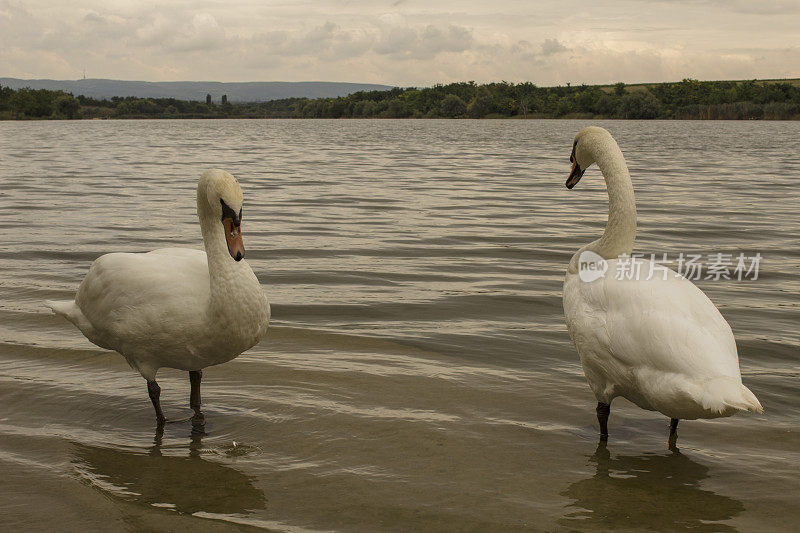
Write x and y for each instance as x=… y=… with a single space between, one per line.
x=667 y=325
x=131 y=291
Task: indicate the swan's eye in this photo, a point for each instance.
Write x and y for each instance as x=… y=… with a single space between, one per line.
x=572 y=155
x=240 y=215
x=227 y=212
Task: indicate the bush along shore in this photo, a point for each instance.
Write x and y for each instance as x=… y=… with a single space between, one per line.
x=687 y=99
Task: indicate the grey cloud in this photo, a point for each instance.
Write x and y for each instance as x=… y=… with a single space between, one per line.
x=179 y=34
x=751 y=7
x=523 y=49
x=526 y=51
x=155 y=32
x=326 y=40
x=271 y=39
x=453 y=39
x=203 y=33
x=329 y=41
x=319 y=38
x=424 y=43
x=553 y=46
x=764 y=7
x=396 y=40
x=94 y=17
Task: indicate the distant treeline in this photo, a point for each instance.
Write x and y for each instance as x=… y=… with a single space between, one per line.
x=687 y=99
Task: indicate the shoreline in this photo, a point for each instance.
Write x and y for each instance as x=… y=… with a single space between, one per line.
x=687 y=119
x=685 y=100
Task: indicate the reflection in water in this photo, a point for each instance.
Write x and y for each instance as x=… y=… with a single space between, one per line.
x=188 y=484
x=659 y=492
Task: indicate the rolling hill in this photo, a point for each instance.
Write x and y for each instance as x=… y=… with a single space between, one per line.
x=259 y=91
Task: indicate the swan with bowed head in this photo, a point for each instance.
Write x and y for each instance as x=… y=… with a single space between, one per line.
x=658 y=342
x=177 y=307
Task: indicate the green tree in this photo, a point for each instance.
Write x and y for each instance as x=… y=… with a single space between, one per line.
x=481 y=104
x=144 y=106
x=370 y=108
x=5 y=98
x=395 y=108
x=358 y=109
x=208 y=99
x=19 y=102
x=640 y=104
x=32 y=103
x=68 y=106
x=525 y=97
x=606 y=106
x=452 y=107
x=122 y=109
x=564 y=106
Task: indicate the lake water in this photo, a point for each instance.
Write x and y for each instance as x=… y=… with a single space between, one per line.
x=417 y=375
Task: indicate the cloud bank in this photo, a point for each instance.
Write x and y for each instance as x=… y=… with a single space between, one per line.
x=401 y=43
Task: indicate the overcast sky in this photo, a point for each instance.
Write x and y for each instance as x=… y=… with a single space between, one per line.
x=401 y=42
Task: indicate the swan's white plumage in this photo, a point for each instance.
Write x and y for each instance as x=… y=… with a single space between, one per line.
x=174 y=307
x=660 y=343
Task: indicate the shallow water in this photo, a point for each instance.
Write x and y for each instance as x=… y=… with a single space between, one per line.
x=417 y=374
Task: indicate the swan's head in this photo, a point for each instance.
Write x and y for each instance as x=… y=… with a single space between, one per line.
x=584 y=150
x=219 y=198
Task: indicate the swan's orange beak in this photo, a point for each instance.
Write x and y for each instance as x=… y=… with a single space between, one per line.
x=577 y=172
x=233 y=236
x=574 y=176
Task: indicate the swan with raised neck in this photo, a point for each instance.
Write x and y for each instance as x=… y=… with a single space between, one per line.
x=658 y=340
x=595 y=145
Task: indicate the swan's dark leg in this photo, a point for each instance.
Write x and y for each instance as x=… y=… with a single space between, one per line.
x=195 y=376
x=154 y=391
x=603 y=410
x=673 y=434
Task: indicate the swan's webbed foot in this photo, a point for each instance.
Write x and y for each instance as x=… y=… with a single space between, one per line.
x=198 y=424
x=157 y=440
x=603 y=410
x=154 y=391
x=198 y=420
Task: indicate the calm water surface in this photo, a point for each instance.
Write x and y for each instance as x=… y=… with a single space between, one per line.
x=418 y=374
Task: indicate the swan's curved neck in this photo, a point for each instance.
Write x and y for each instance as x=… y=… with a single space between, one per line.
x=620 y=229
x=222 y=269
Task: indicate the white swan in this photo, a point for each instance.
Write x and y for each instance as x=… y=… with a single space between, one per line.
x=177 y=307
x=659 y=342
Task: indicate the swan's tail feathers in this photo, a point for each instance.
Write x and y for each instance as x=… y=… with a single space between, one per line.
x=70 y=310
x=61 y=307
x=752 y=402
x=726 y=395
